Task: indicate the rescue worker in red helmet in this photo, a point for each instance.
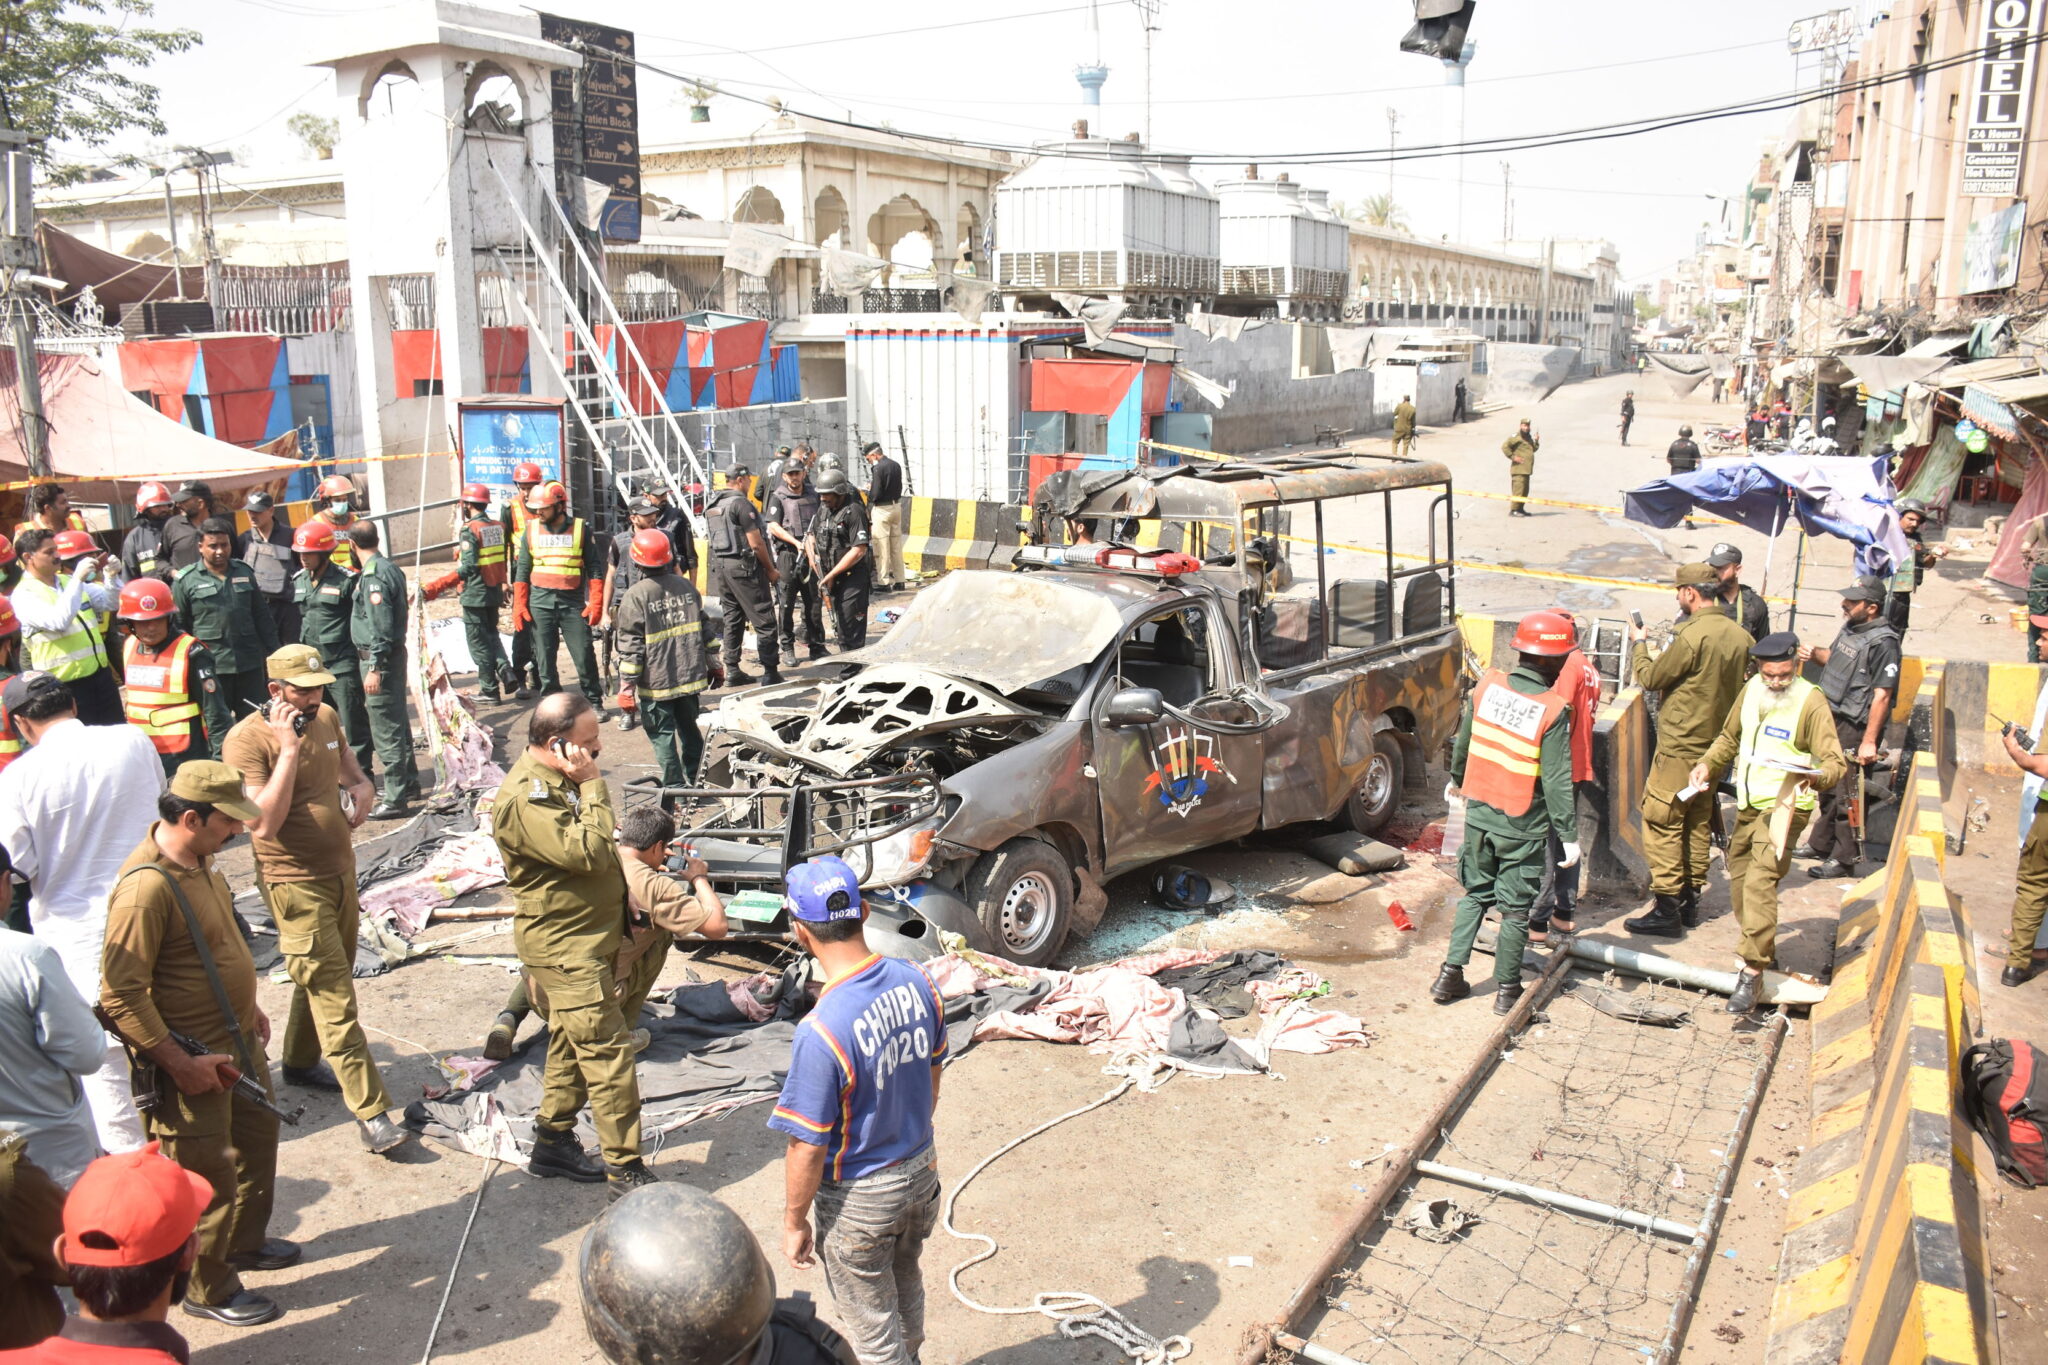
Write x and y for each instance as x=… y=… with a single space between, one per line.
x=663 y=662
x=1513 y=759
x=326 y=595
x=481 y=568
x=1696 y=678
x=558 y=585
x=10 y=565
x=172 y=694
x=526 y=476
x=335 y=497
x=624 y=568
x=142 y=551
x=72 y=549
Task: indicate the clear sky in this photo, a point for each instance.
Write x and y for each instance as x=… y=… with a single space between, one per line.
x=1228 y=78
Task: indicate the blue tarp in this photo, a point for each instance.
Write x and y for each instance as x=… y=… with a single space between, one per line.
x=1833 y=495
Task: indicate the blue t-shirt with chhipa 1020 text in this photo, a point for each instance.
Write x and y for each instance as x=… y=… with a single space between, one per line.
x=860 y=1070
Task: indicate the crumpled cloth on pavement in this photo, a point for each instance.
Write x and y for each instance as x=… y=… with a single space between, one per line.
x=458 y=866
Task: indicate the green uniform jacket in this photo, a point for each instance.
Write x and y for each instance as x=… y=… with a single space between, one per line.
x=476 y=592
x=1521 y=452
x=376 y=622
x=660 y=642
x=1554 y=808
x=1814 y=735
x=326 y=606
x=594 y=557
x=568 y=889
x=227 y=615
x=1404 y=418
x=1697 y=679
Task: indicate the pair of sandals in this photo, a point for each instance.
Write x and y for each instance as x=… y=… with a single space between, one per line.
x=1563 y=928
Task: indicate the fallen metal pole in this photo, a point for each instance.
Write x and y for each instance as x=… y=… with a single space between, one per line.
x=1778 y=988
x=1571 y=1203
x=1703 y=1245
x=1308 y=1350
x=1401 y=1166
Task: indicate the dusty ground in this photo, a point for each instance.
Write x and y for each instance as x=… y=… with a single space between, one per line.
x=1147 y=1202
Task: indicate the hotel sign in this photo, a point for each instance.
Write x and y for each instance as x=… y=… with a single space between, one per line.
x=2001 y=91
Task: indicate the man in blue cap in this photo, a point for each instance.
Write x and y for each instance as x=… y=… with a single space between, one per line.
x=857 y=1107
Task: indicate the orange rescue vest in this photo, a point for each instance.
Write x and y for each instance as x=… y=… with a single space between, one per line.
x=159 y=694
x=1505 y=757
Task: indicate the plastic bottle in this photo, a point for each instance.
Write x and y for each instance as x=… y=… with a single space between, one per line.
x=1454 y=826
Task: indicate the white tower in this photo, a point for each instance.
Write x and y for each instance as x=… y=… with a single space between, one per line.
x=1092 y=73
x=424 y=102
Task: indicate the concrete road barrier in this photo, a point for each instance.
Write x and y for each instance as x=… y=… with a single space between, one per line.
x=1883 y=1257
x=951 y=533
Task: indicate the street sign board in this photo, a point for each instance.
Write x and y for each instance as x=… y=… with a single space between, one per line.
x=1991 y=249
x=497 y=433
x=2000 y=89
x=1821 y=32
x=610 y=117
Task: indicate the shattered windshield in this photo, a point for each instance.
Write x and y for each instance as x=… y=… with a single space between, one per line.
x=1004 y=630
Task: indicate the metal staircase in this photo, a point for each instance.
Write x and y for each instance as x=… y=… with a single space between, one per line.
x=536 y=294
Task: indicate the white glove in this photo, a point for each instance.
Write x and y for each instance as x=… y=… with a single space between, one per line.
x=1571 y=856
x=1450 y=793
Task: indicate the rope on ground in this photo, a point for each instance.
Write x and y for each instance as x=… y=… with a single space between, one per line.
x=1076 y=1314
x=448 y=1290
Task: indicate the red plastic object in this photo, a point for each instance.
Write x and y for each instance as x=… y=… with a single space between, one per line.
x=1399 y=916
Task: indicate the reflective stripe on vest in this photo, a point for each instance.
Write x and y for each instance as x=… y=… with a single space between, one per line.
x=78 y=652
x=491 y=550
x=159 y=694
x=1770 y=721
x=344 y=549
x=557 y=557
x=1505 y=756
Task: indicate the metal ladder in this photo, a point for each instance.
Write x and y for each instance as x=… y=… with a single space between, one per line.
x=629 y=444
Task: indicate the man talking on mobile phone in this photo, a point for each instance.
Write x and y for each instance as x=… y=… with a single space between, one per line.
x=554 y=824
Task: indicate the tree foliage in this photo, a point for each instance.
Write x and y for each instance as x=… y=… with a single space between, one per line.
x=1380 y=210
x=67 y=74
x=315 y=132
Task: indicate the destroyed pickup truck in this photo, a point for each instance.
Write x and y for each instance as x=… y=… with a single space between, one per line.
x=1100 y=707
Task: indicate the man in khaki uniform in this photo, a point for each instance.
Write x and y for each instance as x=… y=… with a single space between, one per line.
x=2030 y=891
x=1696 y=679
x=295 y=761
x=1404 y=427
x=1782 y=739
x=553 y=822
x=1520 y=450
x=155 y=977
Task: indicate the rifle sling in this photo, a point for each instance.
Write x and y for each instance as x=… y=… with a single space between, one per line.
x=220 y=992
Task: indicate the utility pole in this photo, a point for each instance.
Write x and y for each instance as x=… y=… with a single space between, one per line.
x=1393 y=128
x=20 y=260
x=1148 y=10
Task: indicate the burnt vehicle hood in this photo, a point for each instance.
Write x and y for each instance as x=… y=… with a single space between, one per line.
x=1004 y=631
x=837 y=726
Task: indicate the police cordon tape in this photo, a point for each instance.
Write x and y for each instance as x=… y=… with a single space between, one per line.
x=280 y=470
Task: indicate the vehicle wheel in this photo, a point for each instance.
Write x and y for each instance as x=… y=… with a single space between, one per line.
x=1378 y=794
x=1023 y=892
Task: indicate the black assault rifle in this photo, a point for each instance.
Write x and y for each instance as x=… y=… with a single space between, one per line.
x=147 y=1077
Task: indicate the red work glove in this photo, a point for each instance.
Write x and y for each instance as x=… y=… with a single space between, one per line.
x=522 y=606
x=593 y=611
x=441 y=584
x=627 y=700
x=714 y=675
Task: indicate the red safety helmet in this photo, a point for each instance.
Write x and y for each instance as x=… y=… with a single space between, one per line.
x=1545 y=632
x=476 y=493
x=7 y=547
x=526 y=473
x=72 y=544
x=151 y=495
x=335 y=486
x=10 y=624
x=651 y=548
x=547 y=495
x=314 y=537
x=145 y=599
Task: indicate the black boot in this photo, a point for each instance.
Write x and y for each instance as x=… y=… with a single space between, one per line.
x=1507 y=997
x=1450 y=985
x=504 y=1033
x=1689 y=907
x=2014 y=976
x=1743 y=1000
x=622 y=1180
x=1662 y=922
x=561 y=1154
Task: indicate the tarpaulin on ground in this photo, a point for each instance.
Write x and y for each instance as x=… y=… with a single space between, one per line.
x=1682 y=372
x=1839 y=496
x=105 y=442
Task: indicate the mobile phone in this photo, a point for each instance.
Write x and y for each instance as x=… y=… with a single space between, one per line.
x=299 y=718
x=560 y=747
x=1636 y=619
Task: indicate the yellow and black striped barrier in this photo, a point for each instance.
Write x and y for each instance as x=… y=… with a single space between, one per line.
x=953 y=533
x=1883 y=1256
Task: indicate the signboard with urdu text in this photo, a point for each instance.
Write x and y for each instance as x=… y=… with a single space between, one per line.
x=495 y=436
x=1999 y=91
